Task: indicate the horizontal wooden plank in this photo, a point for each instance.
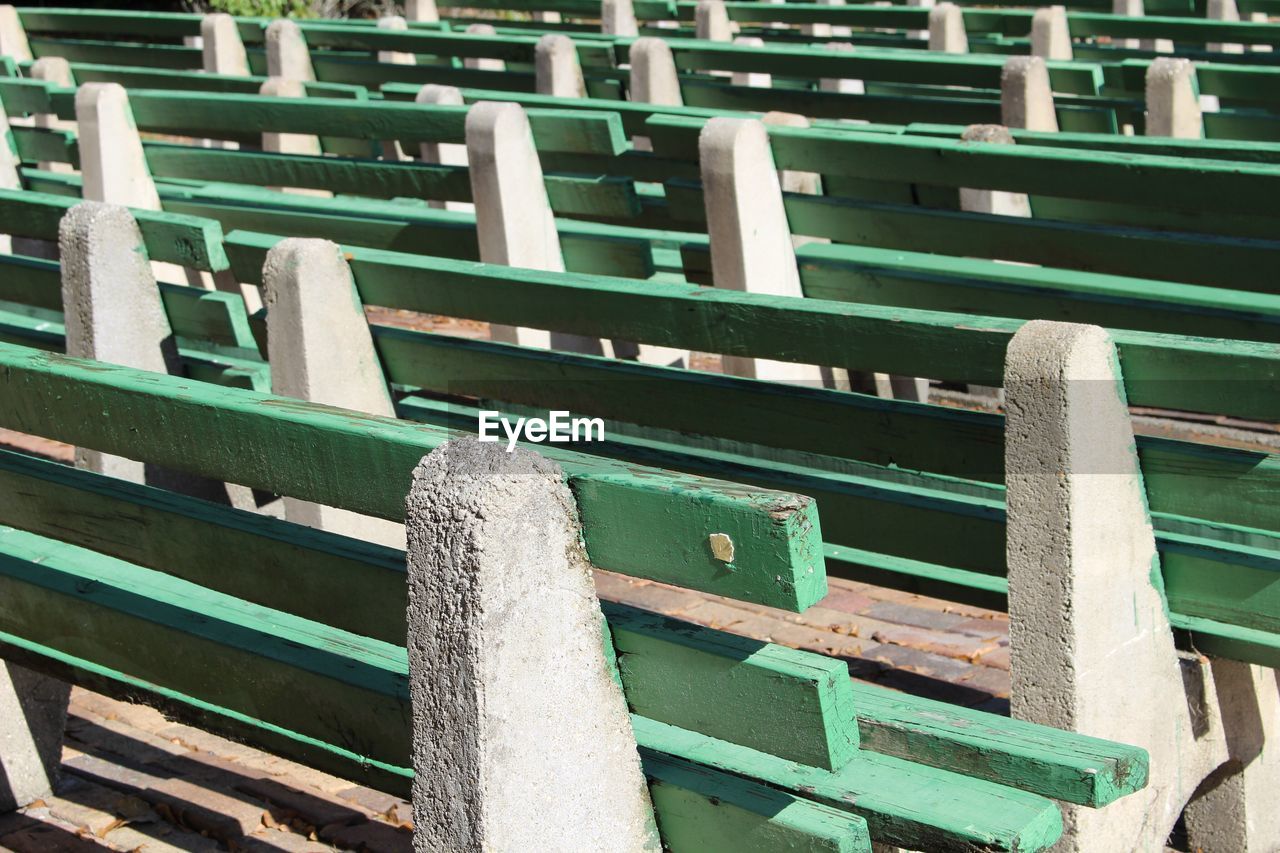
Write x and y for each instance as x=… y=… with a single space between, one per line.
x=702 y=809
x=634 y=522
x=796 y=705
x=176 y=25
x=1062 y=765
x=118 y=53
x=904 y=804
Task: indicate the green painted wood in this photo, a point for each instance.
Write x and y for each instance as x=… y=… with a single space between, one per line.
x=171 y=25
x=30 y=281
x=796 y=705
x=1160 y=370
x=118 y=53
x=185 y=240
x=278 y=740
x=893 y=795
x=281 y=566
x=132 y=77
x=970 y=285
x=1062 y=765
x=24 y=96
x=185 y=637
x=703 y=811
x=571 y=131
x=56 y=146
x=635 y=521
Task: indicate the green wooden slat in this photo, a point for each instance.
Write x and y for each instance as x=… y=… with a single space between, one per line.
x=634 y=522
x=1062 y=765
x=110 y=22
x=132 y=77
x=30 y=281
x=185 y=240
x=702 y=810
x=24 y=96
x=969 y=285
x=279 y=565
x=57 y=146
x=792 y=704
x=572 y=131
x=309 y=751
x=1160 y=370
x=1230 y=641
x=143 y=622
x=118 y=53
x=893 y=795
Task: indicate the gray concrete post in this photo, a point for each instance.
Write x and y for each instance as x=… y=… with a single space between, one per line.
x=291 y=143
x=495 y=553
x=395 y=57
x=1223 y=10
x=445 y=153
x=483 y=63
x=998 y=202
x=755 y=79
x=33 y=716
x=1092 y=650
x=421 y=11
x=546 y=17
x=321 y=350
x=112 y=163
x=1173 y=105
x=514 y=222
x=751 y=247
x=13 y=36
x=1050 y=33
x=654 y=79
x=919 y=4
x=55 y=70
x=618 y=18
x=557 y=69
x=946 y=29
x=1136 y=9
x=287 y=53
x=711 y=21
x=222 y=49
x=1026 y=98
x=848 y=86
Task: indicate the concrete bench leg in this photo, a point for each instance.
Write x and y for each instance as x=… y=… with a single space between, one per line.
x=287 y=53
x=113 y=313
x=1026 y=99
x=321 y=350
x=222 y=49
x=1173 y=105
x=946 y=29
x=13 y=36
x=1223 y=10
x=483 y=63
x=514 y=222
x=33 y=716
x=751 y=248
x=754 y=79
x=521 y=739
x=618 y=18
x=422 y=11
x=391 y=149
x=849 y=86
x=55 y=70
x=557 y=70
x=711 y=21
x=291 y=143
x=1092 y=650
x=445 y=153
x=1050 y=35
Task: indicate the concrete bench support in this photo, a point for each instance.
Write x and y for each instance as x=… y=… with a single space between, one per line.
x=751 y=246
x=33 y=716
x=1173 y=106
x=287 y=53
x=1050 y=35
x=1092 y=650
x=711 y=21
x=55 y=70
x=557 y=69
x=848 y=86
x=444 y=153
x=507 y=672
x=618 y=18
x=755 y=79
x=483 y=63
x=1223 y=10
x=13 y=36
x=421 y=11
x=514 y=221
x=1136 y=9
x=320 y=350
x=1026 y=99
x=290 y=143
x=653 y=73
x=222 y=48
x=395 y=57
x=946 y=29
